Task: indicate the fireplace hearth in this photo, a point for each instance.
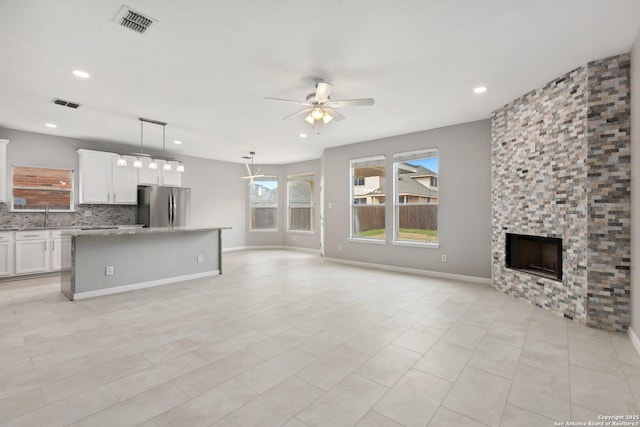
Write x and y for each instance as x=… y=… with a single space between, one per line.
x=537 y=255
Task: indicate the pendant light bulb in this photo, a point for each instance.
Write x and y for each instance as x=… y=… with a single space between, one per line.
x=137 y=163
x=317 y=113
x=121 y=160
x=180 y=167
x=167 y=167
x=153 y=164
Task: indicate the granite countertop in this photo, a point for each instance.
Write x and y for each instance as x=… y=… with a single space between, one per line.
x=74 y=227
x=152 y=230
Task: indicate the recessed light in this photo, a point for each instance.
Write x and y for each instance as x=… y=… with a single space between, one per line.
x=177 y=142
x=81 y=74
x=480 y=89
x=303 y=135
x=51 y=125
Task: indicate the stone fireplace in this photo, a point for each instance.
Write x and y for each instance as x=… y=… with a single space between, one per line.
x=561 y=170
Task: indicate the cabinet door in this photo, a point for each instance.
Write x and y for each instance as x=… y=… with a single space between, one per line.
x=32 y=256
x=95 y=176
x=6 y=258
x=170 y=178
x=55 y=246
x=148 y=176
x=125 y=183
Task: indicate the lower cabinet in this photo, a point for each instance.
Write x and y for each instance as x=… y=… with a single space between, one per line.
x=6 y=259
x=32 y=252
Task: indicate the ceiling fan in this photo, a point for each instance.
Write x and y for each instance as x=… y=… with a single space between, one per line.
x=319 y=106
x=252 y=174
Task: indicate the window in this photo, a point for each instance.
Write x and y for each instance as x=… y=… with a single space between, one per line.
x=416 y=189
x=300 y=190
x=368 y=198
x=263 y=202
x=37 y=189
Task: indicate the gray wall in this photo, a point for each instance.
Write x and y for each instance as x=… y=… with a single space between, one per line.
x=282 y=237
x=215 y=185
x=465 y=201
x=635 y=186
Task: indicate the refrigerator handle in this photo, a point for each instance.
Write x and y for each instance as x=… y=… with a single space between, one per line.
x=169 y=206
x=174 y=213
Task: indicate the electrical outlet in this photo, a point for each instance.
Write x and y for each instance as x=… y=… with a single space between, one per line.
x=330 y=205
x=339 y=247
x=444 y=258
x=294 y=238
x=108 y=271
x=199 y=258
x=87 y=213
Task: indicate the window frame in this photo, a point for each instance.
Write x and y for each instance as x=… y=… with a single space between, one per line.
x=404 y=157
x=269 y=178
x=352 y=166
x=307 y=176
x=71 y=190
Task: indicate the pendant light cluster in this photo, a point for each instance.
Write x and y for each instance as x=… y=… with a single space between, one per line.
x=153 y=164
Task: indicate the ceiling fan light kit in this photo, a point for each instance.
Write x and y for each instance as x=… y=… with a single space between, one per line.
x=320 y=107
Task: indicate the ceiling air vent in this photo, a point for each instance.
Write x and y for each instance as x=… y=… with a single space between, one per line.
x=133 y=20
x=64 y=103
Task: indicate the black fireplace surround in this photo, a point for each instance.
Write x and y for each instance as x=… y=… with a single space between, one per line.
x=541 y=256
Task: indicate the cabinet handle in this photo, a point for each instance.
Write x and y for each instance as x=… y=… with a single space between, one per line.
x=31 y=235
x=53 y=246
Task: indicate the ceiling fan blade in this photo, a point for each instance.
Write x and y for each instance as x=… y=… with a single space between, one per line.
x=334 y=114
x=257 y=173
x=364 y=102
x=248 y=169
x=301 y=112
x=323 y=91
x=305 y=103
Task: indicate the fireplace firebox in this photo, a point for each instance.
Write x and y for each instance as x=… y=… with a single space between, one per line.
x=541 y=256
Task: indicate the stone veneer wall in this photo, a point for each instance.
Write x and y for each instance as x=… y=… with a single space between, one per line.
x=560 y=168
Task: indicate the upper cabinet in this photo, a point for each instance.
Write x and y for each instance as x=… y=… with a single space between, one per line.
x=102 y=181
x=158 y=176
x=3 y=170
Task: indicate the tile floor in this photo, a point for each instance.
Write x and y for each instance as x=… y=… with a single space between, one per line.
x=283 y=338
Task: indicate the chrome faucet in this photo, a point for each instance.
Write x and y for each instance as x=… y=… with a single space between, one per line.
x=46 y=216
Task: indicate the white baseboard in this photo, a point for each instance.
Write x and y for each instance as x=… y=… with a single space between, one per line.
x=634 y=339
x=252 y=248
x=461 y=277
x=142 y=285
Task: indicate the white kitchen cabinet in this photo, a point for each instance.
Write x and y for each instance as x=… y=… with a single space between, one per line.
x=3 y=170
x=102 y=181
x=158 y=176
x=32 y=252
x=6 y=253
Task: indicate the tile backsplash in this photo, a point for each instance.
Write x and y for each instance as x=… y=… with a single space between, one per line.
x=99 y=215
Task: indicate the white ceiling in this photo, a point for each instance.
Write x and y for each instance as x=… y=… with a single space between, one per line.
x=207 y=65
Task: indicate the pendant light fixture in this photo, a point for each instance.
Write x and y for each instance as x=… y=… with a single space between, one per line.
x=153 y=163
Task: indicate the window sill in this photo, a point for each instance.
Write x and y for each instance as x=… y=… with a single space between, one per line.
x=416 y=244
x=40 y=211
x=300 y=232
x=374 y=241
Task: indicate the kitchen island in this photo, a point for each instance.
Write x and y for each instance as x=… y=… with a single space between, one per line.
x=103 y=262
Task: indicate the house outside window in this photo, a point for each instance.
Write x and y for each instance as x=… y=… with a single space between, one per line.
x=300 y=196
x=417 y=196
x=368 y=198
x=263 y=204
x=40 y=189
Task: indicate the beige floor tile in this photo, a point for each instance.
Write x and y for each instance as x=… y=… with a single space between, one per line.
x=447 y=418
x=373 y=340
x=496 y=358
x=180 y=347
x=594 y=336
x=231 y=344
x=375 y=419
x=515 y=416
x=278 y=343
x=602 y=392
x=137 y=409
x=333 y=367
x=21 y=403
x=148 y=378
x=275 y=407
x=344 y=404
x=580 y=413
x=389 y=365
x=541 y=392
x=627 y=353
x=294 y=422
x=215 y=373
x=590 y=355
x=68 y=411
x=207 y=408
x=554 y=332
x=418 y=338
x=479 y=395
x=507 y=333
x=275 y=370
x=444 y=360
x=401 y=321
x=546 y=356
x=414 y=398
x=326 y=341
x=465 y=335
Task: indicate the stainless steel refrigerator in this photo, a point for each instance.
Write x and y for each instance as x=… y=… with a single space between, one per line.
x=163 y=206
